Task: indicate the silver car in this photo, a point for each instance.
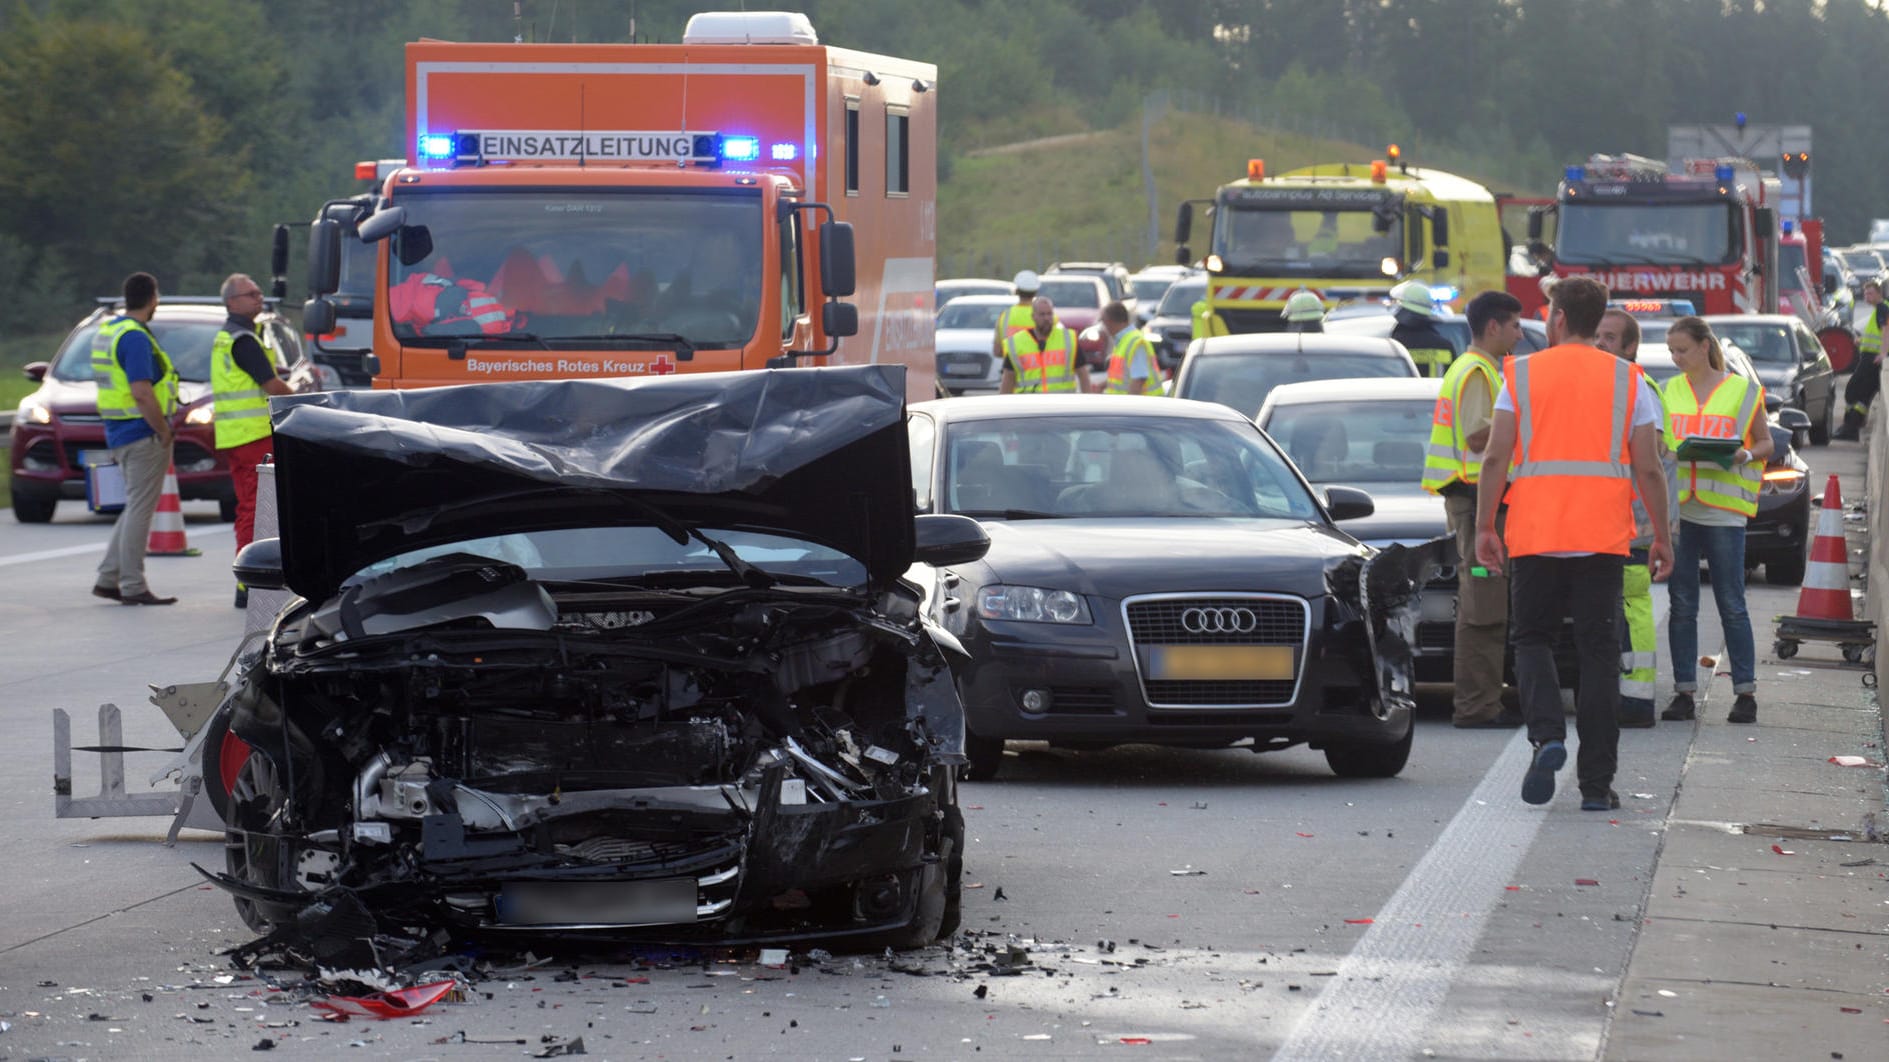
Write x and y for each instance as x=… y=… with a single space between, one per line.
x=962 y=335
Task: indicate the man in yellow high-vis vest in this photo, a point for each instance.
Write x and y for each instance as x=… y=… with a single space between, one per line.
x=1132 y=366
x=242 y=378
x=137 y=396
x=1866 y=374
x=1043 y=358
x=1452 y=466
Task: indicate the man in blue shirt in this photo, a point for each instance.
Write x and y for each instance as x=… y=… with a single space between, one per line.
x=137 y=393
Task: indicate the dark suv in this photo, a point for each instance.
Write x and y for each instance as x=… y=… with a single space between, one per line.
x=58 y=423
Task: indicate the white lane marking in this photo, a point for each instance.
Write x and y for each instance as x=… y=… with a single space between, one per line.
x=1391 y=985
x=73 y=551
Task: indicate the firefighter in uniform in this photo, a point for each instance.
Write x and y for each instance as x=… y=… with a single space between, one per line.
x=242 y=378
x=1452 y=465
x=1570 y=442
x=1304 y=312
x=1206 y=322
x=137 y=396
x=1132 y=367
x=1866 y=374
x=1619 y=335
x=1016 y=318
x=1042 y=359
x=1414 y=329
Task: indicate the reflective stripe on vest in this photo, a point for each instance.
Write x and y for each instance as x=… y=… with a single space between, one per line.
x=1447 y=459
x=1046 y=369
x=1870 y=340
x=1572 y=483
x=240 y=406
x=115 y=401
x=1122 y=358
x=1725 y=414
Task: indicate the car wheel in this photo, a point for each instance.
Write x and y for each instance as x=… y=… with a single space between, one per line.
x=1350 y=759
x=33 y=508
x=954 y=872
x=986 y=756
x=252 y=851
x=226 y=509
x=1820 y=432
x=1785 y=570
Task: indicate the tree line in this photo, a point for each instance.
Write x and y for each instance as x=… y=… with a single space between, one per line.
x=171 y=136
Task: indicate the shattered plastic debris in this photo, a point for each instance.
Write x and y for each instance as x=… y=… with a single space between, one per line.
x=1669 y=993
x=1188 y=872
x=560 y=1049
x=1781 y=850
x=1359 y=921
x=1585 y=881
x=400 y=1003
x=775 y=958
x=1853 y=761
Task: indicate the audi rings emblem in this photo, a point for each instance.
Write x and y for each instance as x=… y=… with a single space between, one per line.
x=1219 y=621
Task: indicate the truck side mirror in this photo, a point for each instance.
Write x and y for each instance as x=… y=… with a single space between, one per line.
x=839 y=319
x=1440 y=228
x=1183 y=255
x=1184 y=225
x=381 y=224
x=1534 y=226
x=1765 y=222
x=836 y=262
x=324 y=257
x=1382 y=218
x=279 y=261
x=1440 y=260
x=318 y=317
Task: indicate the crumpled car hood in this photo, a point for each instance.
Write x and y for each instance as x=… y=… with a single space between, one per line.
x=815 y=454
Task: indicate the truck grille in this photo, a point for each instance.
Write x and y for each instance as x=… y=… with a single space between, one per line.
x=1240 y=620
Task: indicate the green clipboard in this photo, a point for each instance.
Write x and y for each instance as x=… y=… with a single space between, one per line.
x=1718 y=451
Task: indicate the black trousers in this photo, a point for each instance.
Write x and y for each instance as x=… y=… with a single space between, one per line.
x=1543 y=591
x=1865 y=381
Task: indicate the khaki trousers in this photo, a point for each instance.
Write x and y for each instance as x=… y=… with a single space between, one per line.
x=144 y=464
x=1482 y=621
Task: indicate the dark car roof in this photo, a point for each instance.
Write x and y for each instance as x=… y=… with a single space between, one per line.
x=1004 y=407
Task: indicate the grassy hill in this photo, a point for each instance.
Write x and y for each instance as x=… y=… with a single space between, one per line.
x=1080 y=195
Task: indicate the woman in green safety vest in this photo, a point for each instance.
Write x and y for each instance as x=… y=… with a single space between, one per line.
x=1715 y=421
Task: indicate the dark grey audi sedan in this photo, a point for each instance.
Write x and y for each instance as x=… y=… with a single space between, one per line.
x=1160 y=573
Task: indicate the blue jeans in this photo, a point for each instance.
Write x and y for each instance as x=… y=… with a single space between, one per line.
x=1723 y=550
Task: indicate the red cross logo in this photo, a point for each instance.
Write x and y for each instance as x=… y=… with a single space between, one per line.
x=662 y=366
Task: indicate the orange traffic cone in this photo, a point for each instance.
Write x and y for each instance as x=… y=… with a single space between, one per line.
x=1826 y=593
x=167 y=523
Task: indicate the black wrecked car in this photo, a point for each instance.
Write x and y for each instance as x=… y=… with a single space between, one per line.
x=595 y=659
x=1160 y=573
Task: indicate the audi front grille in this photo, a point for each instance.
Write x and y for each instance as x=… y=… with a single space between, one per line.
x=1182 y=621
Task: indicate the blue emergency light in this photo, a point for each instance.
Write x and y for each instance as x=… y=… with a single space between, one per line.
x=1723 y=172
x=1788 y=226
x=741 y=148
x=437 y=146
x=1576 y=174
x=785 y=152
x=1443 y=293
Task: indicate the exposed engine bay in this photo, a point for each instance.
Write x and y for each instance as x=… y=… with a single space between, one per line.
x=458 y=746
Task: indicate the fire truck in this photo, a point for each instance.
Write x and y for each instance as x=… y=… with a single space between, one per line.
x=1707 y=233
x=1343 y=231
x=625 y=209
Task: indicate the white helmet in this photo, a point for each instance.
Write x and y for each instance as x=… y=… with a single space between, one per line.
x=1414 y=295
x=1027 y=282
x=1303 y=306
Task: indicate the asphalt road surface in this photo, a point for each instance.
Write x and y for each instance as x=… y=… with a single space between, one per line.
x=1188 y=904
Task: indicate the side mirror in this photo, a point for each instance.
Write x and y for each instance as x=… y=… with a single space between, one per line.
x=1183 y=255
x=836 y=260
x=1382 y=218
x=1348 y=503
x=1184 y=225
x=1440 y=259
x=1440 y=228
x=1534 y=226
x=946 y=538
x=382 y=224
x=839 y=319
x=324 y=257
x=259 y=565
x=1793 y=420
x=279 y=261
x=1765 y=222
x=36 y=370
x=318 y=317
x=1773 y=402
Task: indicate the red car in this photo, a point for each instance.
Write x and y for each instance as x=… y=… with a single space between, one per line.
x=59 y=422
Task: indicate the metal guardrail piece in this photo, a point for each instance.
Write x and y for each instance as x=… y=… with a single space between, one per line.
x=112 y=801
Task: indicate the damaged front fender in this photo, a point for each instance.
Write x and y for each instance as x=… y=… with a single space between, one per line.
x=1384 y=586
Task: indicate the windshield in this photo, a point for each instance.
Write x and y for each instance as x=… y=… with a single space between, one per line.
x=1646 y=234
x=1354 y=442
x=1861 y=261
x=628 y=551
x=1310 y=241
x=581 y=264
x=1180 y=299
x=1149 y=291
x=971 y=315
x=186 y=343
x=1760 y=342
x=1072 y=294
x=1119 y=466
x=1242 y=382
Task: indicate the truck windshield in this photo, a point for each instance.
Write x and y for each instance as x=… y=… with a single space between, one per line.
x=1646 y=234
x=579 y=265
x=1303 y=241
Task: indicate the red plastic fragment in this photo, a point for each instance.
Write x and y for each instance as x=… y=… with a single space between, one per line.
x=1781 y=850
x=1359 y=921
x=1304 y=834
x=1136 y=1040
x=1585 y=881
x=400 y=1003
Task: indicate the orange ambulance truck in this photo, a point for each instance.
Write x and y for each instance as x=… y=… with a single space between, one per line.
x=625 y=209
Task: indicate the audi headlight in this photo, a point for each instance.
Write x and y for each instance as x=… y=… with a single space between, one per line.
x=31 y=412
x=200 y=415
x=1031 y=604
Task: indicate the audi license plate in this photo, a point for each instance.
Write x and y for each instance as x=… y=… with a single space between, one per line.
x=597 y=903
x=1220 y=662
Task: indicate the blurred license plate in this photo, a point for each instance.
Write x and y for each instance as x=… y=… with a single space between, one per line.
x=1438 y=607
x=963 y=368
x=613 y=903
x=1220 y=662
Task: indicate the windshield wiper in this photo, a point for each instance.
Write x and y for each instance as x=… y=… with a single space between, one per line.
x=683 y=347
x=1012 y=514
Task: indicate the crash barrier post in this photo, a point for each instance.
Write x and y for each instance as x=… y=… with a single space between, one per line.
x=264 y=604
x=167 y=523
